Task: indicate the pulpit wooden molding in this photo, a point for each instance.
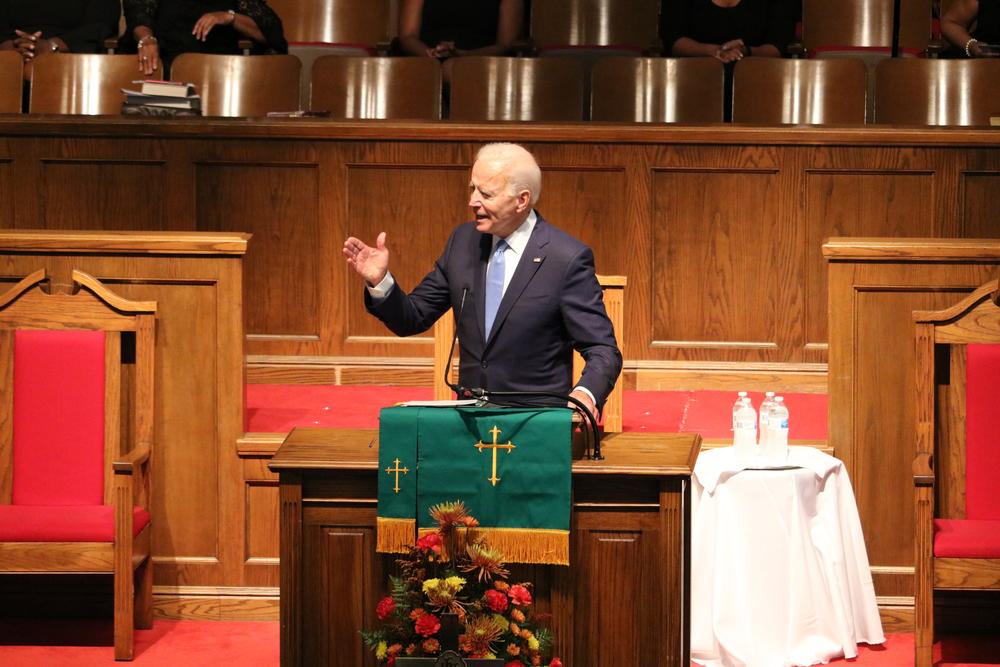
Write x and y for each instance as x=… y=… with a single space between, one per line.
x=624 y=599
x=874 y=285
x=196 y=280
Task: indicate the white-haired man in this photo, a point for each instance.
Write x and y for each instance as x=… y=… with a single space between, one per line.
x=525 y=291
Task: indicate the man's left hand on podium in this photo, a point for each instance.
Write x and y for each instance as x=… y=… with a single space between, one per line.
x=584 y=398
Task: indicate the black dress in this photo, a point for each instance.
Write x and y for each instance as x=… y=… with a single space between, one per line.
x=82 y=24
x=173 y=20
x=470 y=24
x=988 y=22
x=756 y=22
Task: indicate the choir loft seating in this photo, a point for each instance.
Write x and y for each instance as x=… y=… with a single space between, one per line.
x=334 y=27
x=656 y=90
x=805 y=92
x=240 y=85
x=79 y=83
x=923 y=91
x=357 y=87
x=11 y=68
x=76 y=395
x=958 y=454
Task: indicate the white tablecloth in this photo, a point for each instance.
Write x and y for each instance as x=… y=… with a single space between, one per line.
x=779 y=572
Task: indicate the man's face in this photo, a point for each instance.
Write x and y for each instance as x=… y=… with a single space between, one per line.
x=496 y=210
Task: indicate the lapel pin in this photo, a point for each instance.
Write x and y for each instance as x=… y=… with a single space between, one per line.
x=538 y=259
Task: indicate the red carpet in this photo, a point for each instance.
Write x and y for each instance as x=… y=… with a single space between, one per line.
x=86 y=643
x=273 y=408
x=214 y=643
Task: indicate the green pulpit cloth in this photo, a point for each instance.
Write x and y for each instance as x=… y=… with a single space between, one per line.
x=510 y=466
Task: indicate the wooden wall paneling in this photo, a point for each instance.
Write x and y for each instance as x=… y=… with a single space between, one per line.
x=717 y=266
x=979 y=204
x=277 y=202
x=7 y=199
x=874 y=286
x=417 y=206
x=261 y=517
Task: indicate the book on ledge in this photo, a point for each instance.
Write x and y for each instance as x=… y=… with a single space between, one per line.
x=165 y=88
x=134 y=98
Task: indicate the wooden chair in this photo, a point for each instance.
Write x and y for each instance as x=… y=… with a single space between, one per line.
x=240 y=85
x=800 y=92
x=937 y=92
x=628 y=27
x=82 y=83
x=11 y=80
x=523 y=89
x=317 y=28
x=614 y=303
x=363 y=88
x=858 y=25
x=657 y=90
x=957 y=502
x=76 y=395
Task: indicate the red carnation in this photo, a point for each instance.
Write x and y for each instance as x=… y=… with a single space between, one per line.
x=556 y=662
x=514 y=663
x=497 y=601
x=519 y=595
x=385 y=608
x=427 y=625
x=430 y=542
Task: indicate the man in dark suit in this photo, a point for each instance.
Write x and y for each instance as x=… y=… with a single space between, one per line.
x=525 y=292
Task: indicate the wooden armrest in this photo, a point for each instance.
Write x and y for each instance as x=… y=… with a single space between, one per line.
x=111 y=45
x=139 y=455
x=923 y=469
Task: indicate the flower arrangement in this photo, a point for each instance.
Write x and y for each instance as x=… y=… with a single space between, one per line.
x=495 y=619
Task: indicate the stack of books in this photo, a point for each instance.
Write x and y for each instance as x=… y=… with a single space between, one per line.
x=161 y=98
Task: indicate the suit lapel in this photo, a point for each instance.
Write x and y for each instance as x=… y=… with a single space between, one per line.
x=485 y=246
x=528 y=264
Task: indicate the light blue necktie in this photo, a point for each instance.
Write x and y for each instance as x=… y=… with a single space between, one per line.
x=494 y=284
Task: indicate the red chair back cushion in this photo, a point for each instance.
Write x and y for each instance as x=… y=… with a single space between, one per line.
x=982 y=439
x=58 y=454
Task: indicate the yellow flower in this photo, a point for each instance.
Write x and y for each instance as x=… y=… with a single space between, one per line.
x=380 y=650
x=431 y=585
x=455 y=583
x=533 y=643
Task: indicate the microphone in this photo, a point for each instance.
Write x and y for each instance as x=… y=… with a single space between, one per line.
x=451 y=350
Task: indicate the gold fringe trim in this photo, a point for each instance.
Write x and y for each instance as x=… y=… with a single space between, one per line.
x=521 y=545
x=394 y=535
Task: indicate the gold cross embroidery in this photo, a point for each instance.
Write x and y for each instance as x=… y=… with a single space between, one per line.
x=397 y=470
x=494 y=446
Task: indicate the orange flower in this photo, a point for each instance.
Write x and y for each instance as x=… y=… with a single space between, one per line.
x=517 y=615
x=411 y=649
x=394 y=649
x=501 y=585
x=513 y=649
x=431 y=645
x=417 y=613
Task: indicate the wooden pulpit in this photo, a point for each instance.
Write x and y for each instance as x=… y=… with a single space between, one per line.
x=623 y=600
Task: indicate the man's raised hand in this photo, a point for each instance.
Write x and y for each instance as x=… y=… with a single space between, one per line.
x=371 y=263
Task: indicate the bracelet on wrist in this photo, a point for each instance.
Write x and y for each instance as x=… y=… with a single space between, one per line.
x=232 y=16
x=968 y=46
x=148 y=38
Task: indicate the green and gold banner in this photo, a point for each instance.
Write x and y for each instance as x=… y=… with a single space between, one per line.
x=510 y=466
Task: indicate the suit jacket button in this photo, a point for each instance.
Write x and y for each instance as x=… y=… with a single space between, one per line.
x=483 y=364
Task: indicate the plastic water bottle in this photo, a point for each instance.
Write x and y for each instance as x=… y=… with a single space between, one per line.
x=745 y=430
x=776 y=449
x=765 y=410
x=737 y=405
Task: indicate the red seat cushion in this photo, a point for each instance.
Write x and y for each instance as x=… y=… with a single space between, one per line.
x=58 y=452
x=74 y=523
x=966 y=538
x=982 y=442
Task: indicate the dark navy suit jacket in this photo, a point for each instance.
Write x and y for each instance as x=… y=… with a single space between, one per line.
x=552 y=305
